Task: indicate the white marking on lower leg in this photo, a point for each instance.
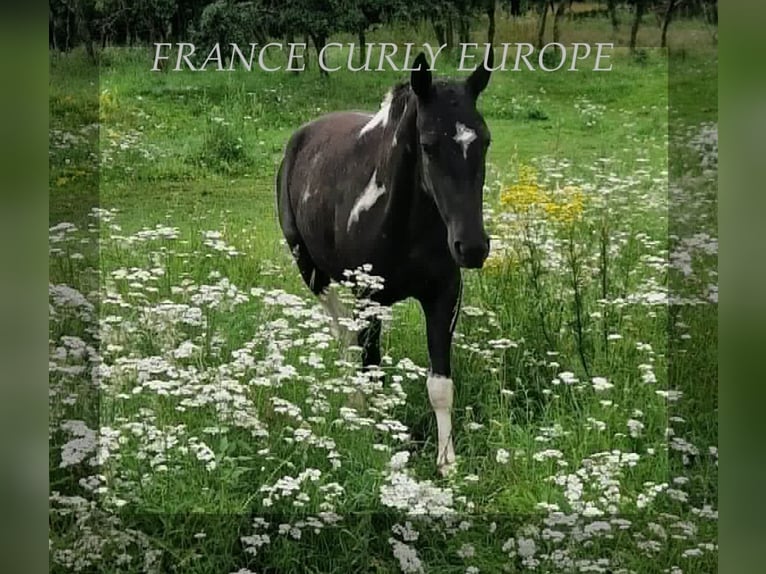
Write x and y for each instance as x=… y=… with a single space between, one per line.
x=366 y=200
x=464 y=136
x=381 y=117
x=440 y=394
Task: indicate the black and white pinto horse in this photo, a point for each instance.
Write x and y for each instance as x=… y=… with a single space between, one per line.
x=401 y=190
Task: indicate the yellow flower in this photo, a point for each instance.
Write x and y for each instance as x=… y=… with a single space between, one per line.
x=107 y=104
x=560 y=206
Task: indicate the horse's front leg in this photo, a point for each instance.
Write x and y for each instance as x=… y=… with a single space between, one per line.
x=441 y=310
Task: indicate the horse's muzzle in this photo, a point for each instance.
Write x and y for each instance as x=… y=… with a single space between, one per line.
x=471 y=255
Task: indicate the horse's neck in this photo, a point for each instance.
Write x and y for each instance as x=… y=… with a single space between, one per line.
x=407 y=200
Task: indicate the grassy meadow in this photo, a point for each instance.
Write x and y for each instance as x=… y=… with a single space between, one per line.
x=203 y=420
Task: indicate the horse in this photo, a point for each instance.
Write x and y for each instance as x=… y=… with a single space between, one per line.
x=400 y=190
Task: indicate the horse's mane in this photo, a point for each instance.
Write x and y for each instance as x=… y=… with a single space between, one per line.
x=400 y=93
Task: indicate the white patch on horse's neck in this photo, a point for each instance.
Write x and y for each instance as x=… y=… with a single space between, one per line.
x=366 y=200
x=395 y=139
x=380 y=118
x=464 y=136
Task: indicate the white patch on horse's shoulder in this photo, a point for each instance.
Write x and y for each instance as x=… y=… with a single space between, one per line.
x=381 y=117
x=367 y=199
x=464 y=136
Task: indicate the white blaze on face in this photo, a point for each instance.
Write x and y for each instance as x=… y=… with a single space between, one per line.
x=380 y=118
x=464 y=136
x=366 y=200
x=440 y=392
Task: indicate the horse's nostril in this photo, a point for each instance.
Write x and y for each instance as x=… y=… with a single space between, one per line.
x=458 y=247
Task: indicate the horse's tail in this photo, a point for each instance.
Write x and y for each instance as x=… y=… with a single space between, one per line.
x=284 y=208
x=284 y=202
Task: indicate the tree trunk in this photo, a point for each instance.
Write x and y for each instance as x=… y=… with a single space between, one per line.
x=516 y=8
x=68 y=35
x=439 y=31
x=319 y=42
x=542 y=10
x=672 y=4
x=450 y=33
x=464 y=29
x=362 y=47
x=711 y=17
x=52 y=31
x=491 y=17
x=559 y=14
x=612 y=7
x=640 y=5
x=83 y=31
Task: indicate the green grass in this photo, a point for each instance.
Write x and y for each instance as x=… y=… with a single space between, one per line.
x=198 y=152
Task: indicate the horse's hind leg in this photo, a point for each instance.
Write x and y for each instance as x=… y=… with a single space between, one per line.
x=319 y=282
x=369 y=340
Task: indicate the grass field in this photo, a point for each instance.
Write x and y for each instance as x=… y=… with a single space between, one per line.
x=202 y=419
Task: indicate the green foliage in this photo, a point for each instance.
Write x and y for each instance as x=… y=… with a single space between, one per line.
x=641 y=56
x=222 y=147
x=227 y=21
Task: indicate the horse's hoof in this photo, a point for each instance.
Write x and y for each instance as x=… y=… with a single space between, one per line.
x=447 y=469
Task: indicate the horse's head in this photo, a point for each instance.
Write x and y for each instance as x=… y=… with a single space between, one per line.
x=452 y=146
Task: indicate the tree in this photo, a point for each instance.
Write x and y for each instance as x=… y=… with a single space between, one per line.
x=559 y=11
x=490 y=9
x=671 y=6
x=612 y=8
x=542 y=16
x=640 y=7
x=357 y=16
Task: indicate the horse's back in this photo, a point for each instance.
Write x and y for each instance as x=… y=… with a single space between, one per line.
x=336 y=132
x=328 y=163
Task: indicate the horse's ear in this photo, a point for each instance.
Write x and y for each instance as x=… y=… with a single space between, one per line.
x=420 y=78
x=479 y=79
